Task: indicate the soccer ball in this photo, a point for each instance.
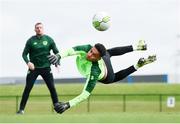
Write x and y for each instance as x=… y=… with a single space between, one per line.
x=101 y=21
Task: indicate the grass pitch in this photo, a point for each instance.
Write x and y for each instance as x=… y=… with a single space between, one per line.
x=104 y=108
x=93 y=118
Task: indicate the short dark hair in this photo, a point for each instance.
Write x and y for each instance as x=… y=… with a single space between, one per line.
x=38 y=23
x=101 y=48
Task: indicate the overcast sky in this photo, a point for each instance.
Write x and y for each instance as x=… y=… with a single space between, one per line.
x=69 y=23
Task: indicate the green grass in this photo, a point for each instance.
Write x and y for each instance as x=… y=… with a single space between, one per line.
x=94 y=118
x=106 y=108
x=116 y=88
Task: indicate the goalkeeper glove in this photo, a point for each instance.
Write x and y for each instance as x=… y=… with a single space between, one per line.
x=54 y=59
x=61 y=107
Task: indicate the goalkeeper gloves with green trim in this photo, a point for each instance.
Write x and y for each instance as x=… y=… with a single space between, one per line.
x=54 y=59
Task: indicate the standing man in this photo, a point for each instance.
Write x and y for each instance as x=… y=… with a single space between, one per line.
x=94 y=63
x=38 y=47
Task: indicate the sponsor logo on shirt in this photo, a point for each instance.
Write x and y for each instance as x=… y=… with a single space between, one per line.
x=35 y=43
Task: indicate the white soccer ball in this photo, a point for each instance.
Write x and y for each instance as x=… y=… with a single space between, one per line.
x=101 y=21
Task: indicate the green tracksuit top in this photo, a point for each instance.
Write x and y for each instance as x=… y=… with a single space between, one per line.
x=38 y=48
x=93 y=71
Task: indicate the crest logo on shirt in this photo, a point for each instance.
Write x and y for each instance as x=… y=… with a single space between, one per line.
x=92 y=77
x=35 y=43
x=45 y=43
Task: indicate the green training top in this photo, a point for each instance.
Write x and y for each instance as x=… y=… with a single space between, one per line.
x=93 y=71
x=38 y=48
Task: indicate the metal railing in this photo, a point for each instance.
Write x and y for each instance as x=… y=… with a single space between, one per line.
x=124 y=99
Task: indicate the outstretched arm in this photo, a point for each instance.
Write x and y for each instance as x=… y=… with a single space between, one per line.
x=68 y=52
x=76 y=50
x=89 y=86
x=55 y=59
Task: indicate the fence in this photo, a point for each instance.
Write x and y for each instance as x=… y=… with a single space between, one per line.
x=126 y=101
